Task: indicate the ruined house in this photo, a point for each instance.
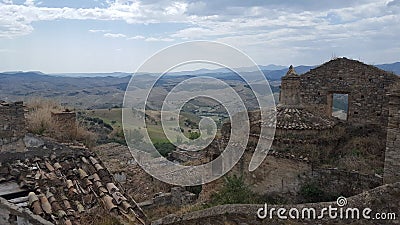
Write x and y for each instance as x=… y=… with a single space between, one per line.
x=308 y=136
x=366 y=86
x=373 y=98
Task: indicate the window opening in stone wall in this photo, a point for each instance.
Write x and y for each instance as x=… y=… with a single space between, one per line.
x=340 y=106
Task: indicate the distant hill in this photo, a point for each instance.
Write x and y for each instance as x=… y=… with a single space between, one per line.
x=278 y=74
x=80 y=92
x=393 y=67
x=106 y=90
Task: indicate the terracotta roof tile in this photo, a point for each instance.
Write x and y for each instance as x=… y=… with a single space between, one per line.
x=66 y=184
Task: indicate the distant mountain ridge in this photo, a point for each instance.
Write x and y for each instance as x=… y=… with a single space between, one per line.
x=106 y=90
x=271 y=71
x=392 y=67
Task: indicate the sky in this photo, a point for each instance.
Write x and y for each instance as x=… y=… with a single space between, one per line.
x=55 y=36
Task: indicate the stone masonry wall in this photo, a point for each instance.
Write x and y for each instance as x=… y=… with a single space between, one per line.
x=12 y=122
x=366 y=86
x=290 y=90
x=392 y=154
x=379 y=200
x=66 y=123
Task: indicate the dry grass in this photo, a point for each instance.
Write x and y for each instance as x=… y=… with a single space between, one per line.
x=39 y=118
x=40 y=121
x=99 y=216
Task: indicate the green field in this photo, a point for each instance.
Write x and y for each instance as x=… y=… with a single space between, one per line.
x=154 y=129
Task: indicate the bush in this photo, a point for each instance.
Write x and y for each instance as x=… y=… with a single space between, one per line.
x=195 y=189
x=194 y=135
x=234 y=191
x=164 y=148
x=311 y=192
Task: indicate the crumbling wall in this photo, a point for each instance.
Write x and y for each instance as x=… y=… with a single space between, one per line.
x=337 y=182
x=66 y=124
x=366 y=86
x=392 y=154
x=379 y=200
x=290 y=90
x=177 y=197
x=12 y=122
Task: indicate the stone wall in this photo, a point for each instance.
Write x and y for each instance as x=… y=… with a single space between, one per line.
x=290 y=88
x=380 y=199
x=392 y=155
x=12 y=122
x=337 y=182
x=177 y=197
x=366 y=86
x=66 y=124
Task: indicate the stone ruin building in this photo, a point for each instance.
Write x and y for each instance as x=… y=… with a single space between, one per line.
x=304 y=121
x=46 y=182
x=373 y=98
x=307 y=133
x=367 y=88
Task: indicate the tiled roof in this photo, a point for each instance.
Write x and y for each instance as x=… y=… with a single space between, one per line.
x=297 y=118
x=62 y=184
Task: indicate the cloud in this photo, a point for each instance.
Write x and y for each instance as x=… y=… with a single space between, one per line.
x=113 y=35
x=98 y=31
x=29 y=3
x=274 y=24
x=137 y=37
x=154 y=39
x=16 y=20
x=10 y=2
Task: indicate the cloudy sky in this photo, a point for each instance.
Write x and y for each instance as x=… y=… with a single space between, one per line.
x=55 y=36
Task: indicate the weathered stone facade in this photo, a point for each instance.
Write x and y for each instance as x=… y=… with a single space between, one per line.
x=290 y=88
x=392 y=155
x=66 y=124
x=12 y=122
x=380 y=200
x=367 y=88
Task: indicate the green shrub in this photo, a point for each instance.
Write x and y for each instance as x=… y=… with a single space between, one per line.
x=234 y=191
x=311 y=192
x=195 y=189
x=164 y=147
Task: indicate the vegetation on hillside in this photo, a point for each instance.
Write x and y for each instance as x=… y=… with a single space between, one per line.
x=234 y=191
x=39 y=121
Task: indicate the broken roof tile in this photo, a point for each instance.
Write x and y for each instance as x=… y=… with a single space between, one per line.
x=111 y=188
x=49 y=166
x=45 y=204
x=108 y=201
x=82 y=173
